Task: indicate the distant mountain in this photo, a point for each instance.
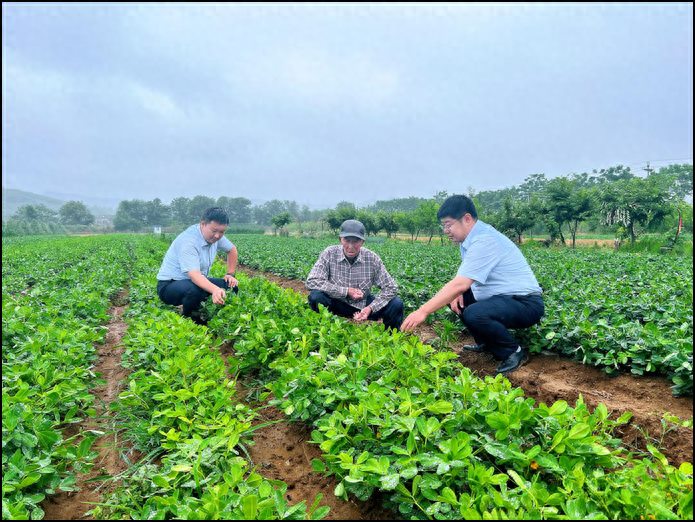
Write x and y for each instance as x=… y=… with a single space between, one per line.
x=12 y=199
x=97 y=202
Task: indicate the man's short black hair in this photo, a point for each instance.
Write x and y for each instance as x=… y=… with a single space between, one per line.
x=216 y=214
x=456 y=207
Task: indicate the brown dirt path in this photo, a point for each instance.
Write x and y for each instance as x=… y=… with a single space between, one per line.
x=549 y=377
x=74 y=505
x=282 y=451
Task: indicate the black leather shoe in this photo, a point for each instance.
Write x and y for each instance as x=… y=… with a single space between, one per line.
x=474 y=347
x=513 y=362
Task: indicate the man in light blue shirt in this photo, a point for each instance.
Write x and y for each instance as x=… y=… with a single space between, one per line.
x=493 y=290
x=183 y=277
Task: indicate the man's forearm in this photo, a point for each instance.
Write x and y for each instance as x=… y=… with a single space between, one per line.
x=446 y=294
x=326 y=286
x=201 y=281
x=232 y=260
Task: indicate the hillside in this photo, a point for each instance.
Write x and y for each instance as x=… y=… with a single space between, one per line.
x=13 y=199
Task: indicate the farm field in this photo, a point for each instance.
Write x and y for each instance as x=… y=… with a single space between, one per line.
x=617 y=311
x=479 y=446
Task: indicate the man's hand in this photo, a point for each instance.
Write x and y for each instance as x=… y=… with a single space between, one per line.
x=231 y=280
x=413 y=320
x=355 y=294
x=363 y=314
x=457 y=305
x=218 y=296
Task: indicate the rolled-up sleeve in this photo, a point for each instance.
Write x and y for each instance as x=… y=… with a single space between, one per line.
x=319 y=278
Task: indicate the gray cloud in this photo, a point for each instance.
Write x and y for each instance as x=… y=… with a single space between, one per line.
x=321 y=103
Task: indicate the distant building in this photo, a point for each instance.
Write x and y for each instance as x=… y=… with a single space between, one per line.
x=103 y=221
x=157 y=229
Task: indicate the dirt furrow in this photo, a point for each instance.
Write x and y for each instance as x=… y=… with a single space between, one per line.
x=74 y=505
x=549 y=377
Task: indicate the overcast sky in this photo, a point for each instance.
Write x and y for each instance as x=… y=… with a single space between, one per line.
x=320 y=103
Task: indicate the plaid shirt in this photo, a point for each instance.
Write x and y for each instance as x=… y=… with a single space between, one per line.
x=334 y=274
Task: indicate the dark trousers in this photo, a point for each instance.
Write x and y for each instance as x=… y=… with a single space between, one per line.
x=185 y=292
x=392 y=313
x=488 y=320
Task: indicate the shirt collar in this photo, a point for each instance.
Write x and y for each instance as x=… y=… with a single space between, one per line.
x=343 y=257
x=199 y=235
x=475 y=230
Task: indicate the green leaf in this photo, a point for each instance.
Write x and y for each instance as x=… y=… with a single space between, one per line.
x=249 y=506
x=318 y=465
x=579 y=431
x=441 y=407
x=340 y=491
x=389 y=482
x=448 y=496
x=29 y=480
x=160 y=481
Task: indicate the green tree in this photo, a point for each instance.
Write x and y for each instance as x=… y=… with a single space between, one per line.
x=75 y=213
x=181 y=211
x=516 y=217
x=557 y=202
x=157 y=213
x=676 y=179
x=332 y=220
x=198 y=205
x=281 y=220
x=386 y=221
x=368 y=219
x=335 y=217
x=346 y=206
x=612 y=174
x=425 y=216
x=406 y=221
x=582 y=205
x=567 y=201
x=32 y=213
x=396 y=205
x=238 y=209
x=263 y=214
x=488 y=202
x=533 y=185
x=635 y=201
x=131 y=215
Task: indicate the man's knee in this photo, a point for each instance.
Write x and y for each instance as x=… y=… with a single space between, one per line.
x=472 y=315
x=393 y=313
x=317 y=297
x=395 y=306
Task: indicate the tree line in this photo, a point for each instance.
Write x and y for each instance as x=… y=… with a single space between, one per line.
x=40 y=219
x=613 y=200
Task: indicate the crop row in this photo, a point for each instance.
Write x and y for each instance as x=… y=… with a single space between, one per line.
x=394 y=415
x=54 y=303
x=619 y=311
x=180 y=411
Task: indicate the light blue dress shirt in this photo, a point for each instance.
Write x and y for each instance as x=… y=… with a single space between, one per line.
x=495 y=264
x=189 y=251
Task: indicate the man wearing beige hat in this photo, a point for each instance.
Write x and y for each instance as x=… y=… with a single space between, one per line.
x=342 y=279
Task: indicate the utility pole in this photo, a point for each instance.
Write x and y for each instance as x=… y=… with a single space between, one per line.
x=648 y=169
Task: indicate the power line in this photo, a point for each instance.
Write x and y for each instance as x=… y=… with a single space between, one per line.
x=673 y=159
